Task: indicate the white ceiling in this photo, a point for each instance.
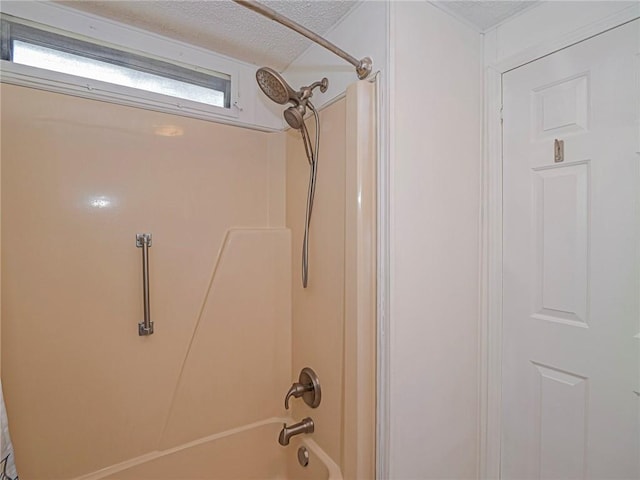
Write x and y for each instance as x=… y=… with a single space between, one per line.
x=230 y=29
x=224 y=26
x=485 y=14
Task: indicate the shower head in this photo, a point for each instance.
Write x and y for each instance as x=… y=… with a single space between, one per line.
x=274 y=86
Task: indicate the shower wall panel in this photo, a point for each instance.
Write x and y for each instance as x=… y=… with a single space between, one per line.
x=318 y=310
x=79 y=179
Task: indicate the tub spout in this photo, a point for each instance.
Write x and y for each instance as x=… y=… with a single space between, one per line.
x=305 y=426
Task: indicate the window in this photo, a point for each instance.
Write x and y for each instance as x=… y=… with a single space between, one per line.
x=26 y=45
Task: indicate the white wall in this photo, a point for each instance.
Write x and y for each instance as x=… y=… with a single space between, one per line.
x=434 y=222
x=549 y=26
x=433 y=66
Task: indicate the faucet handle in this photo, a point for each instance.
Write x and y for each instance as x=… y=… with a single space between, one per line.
x=307 y=387
x=296 y=390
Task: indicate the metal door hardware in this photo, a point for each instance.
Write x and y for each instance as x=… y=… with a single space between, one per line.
x=558 y=151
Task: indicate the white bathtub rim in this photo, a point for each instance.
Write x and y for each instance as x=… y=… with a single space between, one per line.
x=334 y=469
x=132 y=462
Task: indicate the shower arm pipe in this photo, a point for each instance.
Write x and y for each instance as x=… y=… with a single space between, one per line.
x=363 y=67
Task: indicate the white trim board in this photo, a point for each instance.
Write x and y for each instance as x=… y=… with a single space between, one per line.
x=572 y=22
x=384 y=90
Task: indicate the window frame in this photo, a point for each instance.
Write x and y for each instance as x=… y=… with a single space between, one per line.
x=15 y=28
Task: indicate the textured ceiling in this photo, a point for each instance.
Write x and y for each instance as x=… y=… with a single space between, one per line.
x=485 y=14
x=225 y=27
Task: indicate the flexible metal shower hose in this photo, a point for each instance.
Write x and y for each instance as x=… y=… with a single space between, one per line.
x=312 y=157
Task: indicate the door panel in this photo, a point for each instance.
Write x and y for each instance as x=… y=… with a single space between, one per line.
x=561 y=230
x=571 y=264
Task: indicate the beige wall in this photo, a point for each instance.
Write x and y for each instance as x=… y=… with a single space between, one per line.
x=318 y=311
x=233 y=324
x=334 y=318
x=361 y=250
x=83 y=390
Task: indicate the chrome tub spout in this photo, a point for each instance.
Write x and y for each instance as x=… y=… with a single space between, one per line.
x=305 y=426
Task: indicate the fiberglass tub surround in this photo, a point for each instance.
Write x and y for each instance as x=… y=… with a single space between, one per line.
x=244 y=453
x=230 y=316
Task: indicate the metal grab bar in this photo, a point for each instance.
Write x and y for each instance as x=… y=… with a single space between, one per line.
x=143 y=240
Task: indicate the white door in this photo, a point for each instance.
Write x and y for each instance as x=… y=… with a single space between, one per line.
x=571 y=315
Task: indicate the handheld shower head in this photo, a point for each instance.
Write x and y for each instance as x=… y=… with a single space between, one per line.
x=295 y=116
x=274 y=86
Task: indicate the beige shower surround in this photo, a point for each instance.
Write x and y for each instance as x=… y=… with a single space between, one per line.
x=248 y=452
x=83 y=390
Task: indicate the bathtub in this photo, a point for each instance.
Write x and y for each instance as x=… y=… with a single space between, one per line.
x=249 y=452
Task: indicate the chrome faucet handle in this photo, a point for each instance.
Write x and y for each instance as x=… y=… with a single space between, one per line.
x=307 y=387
